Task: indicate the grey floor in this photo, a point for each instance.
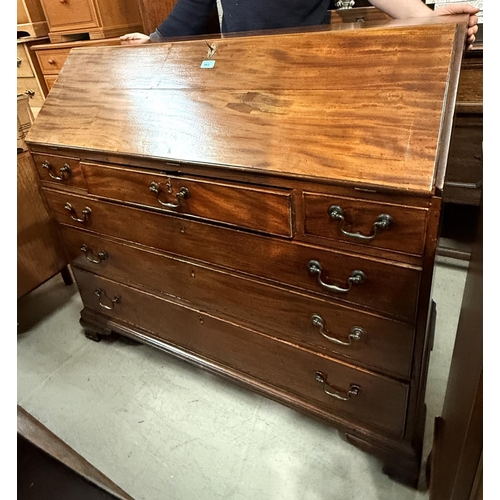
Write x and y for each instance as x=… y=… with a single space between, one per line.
x=164 y=430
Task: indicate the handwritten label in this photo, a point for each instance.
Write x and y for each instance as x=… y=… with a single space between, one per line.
x=207 y=64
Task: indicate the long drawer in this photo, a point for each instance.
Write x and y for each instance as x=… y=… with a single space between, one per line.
x=261 y=209
x=359 y=396
x=386 y=286
x=338 y=331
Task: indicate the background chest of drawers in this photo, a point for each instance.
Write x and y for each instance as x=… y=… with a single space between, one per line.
x=91 y=19
x=31 y=19
x=30 y=80
x=275 y=227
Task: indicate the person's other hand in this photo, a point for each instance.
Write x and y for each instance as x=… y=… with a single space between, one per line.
x=462 y=8
x=134 y=38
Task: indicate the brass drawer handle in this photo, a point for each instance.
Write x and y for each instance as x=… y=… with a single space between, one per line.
x=356 y=278
x=30 y=93
x=85 y=212
x=183 y=194
x=116 y=299
x=356 y=333
x=384 y=221
x=51 y=61
x=465 y=185
x=344 y=4
x=90 y=256
x=65 y=170
x=354 y=389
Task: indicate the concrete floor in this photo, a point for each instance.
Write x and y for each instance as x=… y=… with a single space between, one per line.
x=164 y=430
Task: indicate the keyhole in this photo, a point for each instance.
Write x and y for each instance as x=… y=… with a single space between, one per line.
x=182 y=229
x=192 y=273
x=201 y=320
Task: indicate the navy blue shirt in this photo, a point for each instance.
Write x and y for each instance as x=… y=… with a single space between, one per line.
x=189 y=17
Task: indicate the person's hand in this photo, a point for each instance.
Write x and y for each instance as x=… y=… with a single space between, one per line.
x=134 y=38
x=459 y=8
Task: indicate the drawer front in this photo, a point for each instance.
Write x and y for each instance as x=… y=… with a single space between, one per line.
x=387 y=287
x=70 y=14
x=24 y=68
x=316 y=324
x=50 y=80
x=51 y=61
x=380 y=225
x=380 y=401
x=30 y=87
x=259 y=209
x=59 y=170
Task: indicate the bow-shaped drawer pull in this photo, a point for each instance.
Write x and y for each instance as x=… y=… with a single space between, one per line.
x=384 y=221
x=100 y=293
x=90 y=256
x=183 y=194
x=85 y=212
x=356 y=333
x=354 y=389
x=64 y=171
x=356 y=278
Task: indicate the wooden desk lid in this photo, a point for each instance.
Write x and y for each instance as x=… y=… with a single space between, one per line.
x=366 y=104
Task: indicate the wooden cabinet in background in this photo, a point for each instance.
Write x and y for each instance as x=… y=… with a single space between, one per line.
x=25 y=119
x=40 y=254
x=31 y=19
x=464 y=176
x=30 y=80
x=71 y=20
x=154 y=12
x=455 y=462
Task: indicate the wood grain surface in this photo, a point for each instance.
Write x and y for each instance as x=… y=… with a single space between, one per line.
x=389 y=287
x=381 y=402
x=385 y=347
x=240 y=205
x=40 y=253
x=311 y=104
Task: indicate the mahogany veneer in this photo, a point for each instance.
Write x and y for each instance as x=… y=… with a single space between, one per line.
x=272 y=218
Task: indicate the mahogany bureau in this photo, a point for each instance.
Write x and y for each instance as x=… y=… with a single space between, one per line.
x=266 y=206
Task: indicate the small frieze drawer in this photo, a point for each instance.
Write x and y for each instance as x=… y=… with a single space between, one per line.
x=359 y=396
x=60 y=170
x=257 y=208
x=381 y=225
